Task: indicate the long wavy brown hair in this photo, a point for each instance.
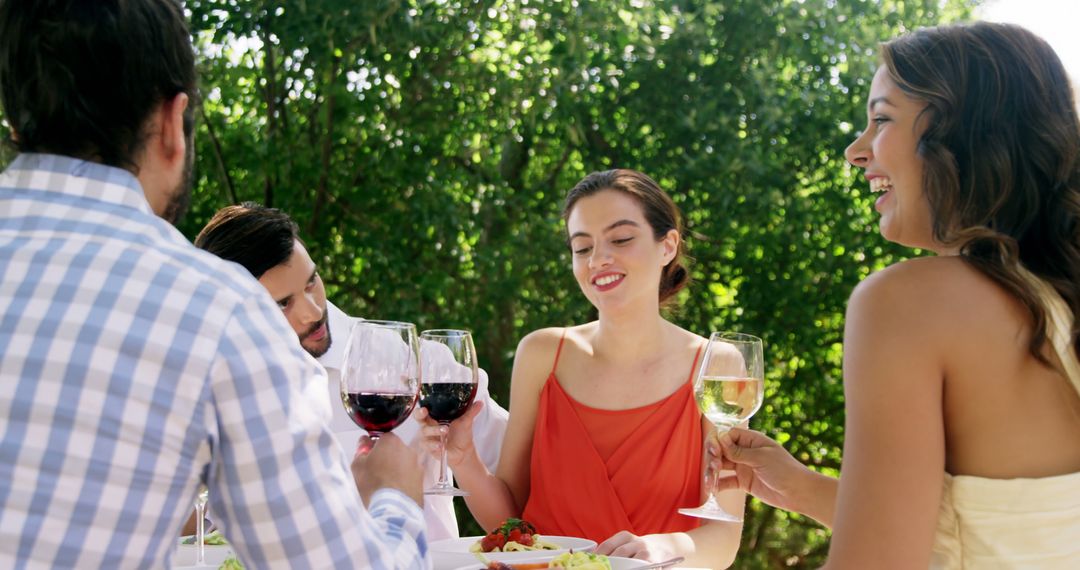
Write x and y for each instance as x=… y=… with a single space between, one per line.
x=1001 y=155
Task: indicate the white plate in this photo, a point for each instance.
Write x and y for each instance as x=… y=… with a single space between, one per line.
x=453 y=552
x=617 y=563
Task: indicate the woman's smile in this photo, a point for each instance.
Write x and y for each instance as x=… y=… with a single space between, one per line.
x=607 y=281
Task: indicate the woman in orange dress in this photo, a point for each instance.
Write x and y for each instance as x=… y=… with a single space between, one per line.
x=605 y=440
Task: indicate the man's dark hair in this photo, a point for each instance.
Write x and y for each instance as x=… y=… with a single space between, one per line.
x=81 y=77
x=257 y=237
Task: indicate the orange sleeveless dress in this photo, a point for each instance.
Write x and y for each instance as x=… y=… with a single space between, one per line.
x=596 y=472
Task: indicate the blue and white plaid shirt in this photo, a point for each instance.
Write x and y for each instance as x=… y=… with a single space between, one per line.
x=132 y=365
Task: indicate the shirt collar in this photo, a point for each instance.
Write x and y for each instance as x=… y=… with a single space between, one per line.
x=340 y=326
x=75 y=177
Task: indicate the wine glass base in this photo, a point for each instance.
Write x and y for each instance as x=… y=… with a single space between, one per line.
x=446 y=492
x=710 y=514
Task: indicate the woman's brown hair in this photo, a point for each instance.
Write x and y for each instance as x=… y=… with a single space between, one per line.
x=1001 y=155
x=660 y=212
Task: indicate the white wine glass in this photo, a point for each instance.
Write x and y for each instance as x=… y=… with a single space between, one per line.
x=729 y=388
x=380 y=376
x=450 y=373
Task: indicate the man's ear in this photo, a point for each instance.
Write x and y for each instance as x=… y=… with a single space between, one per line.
x=173 y=141
x=161 y=163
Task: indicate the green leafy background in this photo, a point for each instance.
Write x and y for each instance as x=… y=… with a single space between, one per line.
x=425 y=147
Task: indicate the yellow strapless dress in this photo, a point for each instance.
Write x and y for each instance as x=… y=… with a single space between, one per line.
x=998 y=524
x=1002 y=524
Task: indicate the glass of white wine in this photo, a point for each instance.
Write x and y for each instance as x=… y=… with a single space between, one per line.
x=729 y=388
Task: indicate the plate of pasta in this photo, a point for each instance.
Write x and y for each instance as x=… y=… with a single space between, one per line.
x=567 y=560
x=511 y=541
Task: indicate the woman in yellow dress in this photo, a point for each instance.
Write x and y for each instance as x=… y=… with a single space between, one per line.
x=962 y=445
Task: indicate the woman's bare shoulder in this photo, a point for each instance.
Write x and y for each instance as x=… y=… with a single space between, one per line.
x=922 y=271
x=540 y=337
x=536 y=351
x=687 y=346
x=681 y=336
x=935 y=285
x=537 y=343
x=936 y=300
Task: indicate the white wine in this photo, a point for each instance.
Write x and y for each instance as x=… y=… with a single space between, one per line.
x=729 y=400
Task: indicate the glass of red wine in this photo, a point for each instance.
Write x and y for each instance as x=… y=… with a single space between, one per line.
x=380 y=376
x=450 y=375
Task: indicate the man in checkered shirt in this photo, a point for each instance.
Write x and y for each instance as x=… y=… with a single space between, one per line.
x=134 y=367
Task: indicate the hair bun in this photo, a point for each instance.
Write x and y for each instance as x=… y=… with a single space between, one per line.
x=674 y=279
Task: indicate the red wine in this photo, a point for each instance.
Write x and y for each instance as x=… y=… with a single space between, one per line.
x=378 y=412
x=447 y=401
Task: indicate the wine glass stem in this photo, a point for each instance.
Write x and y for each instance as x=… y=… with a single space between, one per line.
x=363 y=447
x=443 y=478
x=200 y=533
x=714 y=475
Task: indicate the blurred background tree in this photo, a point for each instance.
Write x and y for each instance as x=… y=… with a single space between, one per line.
x=425 y=148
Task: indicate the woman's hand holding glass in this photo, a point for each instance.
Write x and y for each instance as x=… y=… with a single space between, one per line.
x=729 y=388
x=759 y=466
x=451 y=376
x=762 y=467
x=459 y=435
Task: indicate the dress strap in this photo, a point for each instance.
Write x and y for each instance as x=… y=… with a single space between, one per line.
x=558 y=351
x=693 y=366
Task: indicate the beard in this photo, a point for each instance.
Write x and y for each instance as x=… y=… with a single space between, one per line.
x=317 y=351
x=180 y=197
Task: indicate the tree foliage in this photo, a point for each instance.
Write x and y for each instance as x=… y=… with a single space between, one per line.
x=425 y=147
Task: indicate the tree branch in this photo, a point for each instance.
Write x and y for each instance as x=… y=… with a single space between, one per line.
x=269 y=94
x=321 y=189
x=220 y=156
x=549 y=181
x=762 y=527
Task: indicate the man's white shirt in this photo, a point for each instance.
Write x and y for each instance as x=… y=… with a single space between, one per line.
x=488 y=427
